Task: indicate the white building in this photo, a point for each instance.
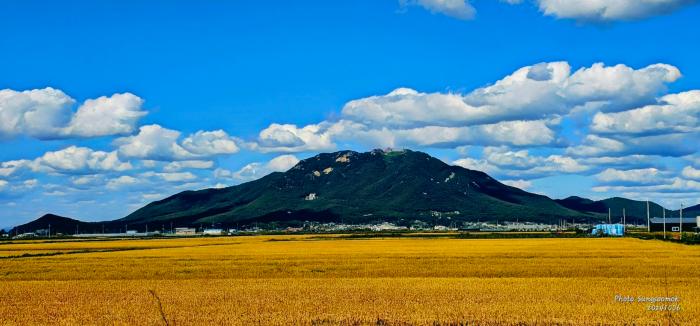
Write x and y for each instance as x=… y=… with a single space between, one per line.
x=386 y=227
x=213 y=232
x=185 y=231
x=25 y=235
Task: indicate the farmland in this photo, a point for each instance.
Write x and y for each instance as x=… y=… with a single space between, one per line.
x=331 y=280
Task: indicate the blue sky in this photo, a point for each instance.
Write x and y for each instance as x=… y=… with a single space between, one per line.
x=148 y=99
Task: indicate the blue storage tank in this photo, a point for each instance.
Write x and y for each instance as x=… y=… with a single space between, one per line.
x=616 y=230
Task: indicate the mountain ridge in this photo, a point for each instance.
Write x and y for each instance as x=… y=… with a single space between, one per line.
x=359 y=187
x=635 y=211
x=376 y=186
x=57 y=224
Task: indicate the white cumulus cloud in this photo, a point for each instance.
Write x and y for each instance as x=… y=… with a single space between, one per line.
x=290 y=138
x=154 y=142
x=522 y=164
x=691 y=173
x=121 y=181
x=516 y=133
x=10 y=168
x=506 y=163
x=522 y=109
x=675 y=113
x=540 y=91
x=46 y=114
x=460 y=9
x=258 y=170
x=674 y=185
x=593 y=145
x=39 y=113
x=193 y=164
x=208 y=143
x=72 y=160
x=609 y=10
x=596 y=11
x=114 y=115
x=171 y=176
x=521 y=184
x=635 y=176
x=75 y=159
x=476 y=164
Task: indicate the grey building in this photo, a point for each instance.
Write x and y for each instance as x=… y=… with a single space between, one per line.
x=690 y=224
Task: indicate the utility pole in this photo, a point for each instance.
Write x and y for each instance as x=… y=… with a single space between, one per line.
x=648 y=222
x=681 y=222
x=49 y=231
x=664 y=214
x=624 y=221
x=609 y=216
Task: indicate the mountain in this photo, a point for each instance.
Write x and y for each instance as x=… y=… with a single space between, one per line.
x=691 y=211
x=58 y=224
x=583 y=204
x=354 y=187
x=351 y=187
x=635 y=211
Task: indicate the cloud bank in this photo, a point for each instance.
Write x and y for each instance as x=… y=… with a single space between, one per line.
x=584 y=11
x=46 y=114
x=614 y=124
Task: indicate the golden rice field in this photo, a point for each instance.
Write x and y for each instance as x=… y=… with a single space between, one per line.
x=280 y=280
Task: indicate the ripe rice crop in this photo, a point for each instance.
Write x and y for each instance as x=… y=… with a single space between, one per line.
x=304 y=280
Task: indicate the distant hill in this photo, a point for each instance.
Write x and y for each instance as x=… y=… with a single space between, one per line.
x=692 y=211
x=583 y=204
x=354 y=187
x=58 y=224
x=636 y=211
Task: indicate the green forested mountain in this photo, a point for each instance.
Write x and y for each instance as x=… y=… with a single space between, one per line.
x=377 y=186
x=354 y=187
x=57 y=224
